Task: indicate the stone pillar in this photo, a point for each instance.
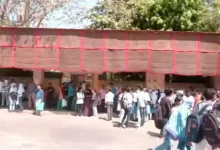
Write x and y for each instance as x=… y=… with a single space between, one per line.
x=155 y=81
x=216 y=82
x=38 y=76
x=96 y=81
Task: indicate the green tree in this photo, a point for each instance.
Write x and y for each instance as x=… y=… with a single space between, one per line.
x=178 y=15
x=212 y=16
x=36 y=13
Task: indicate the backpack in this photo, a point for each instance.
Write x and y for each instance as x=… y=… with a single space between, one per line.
x=124 y=102
x=194 y=132
x=211 y=125
x=159 y=121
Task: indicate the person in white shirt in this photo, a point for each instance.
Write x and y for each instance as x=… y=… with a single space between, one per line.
x=141 y=96
x=127 y=106
x=79 y=101
x=148 y=102
x=188 y=100
x=109 y=100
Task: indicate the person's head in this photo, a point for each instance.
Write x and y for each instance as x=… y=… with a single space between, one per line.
x=140 y=87
x=187 y=93
x=80 y=89
x=179 y=94
x=14 y=85
x=103 y=86
x=87 y=86
x=12 y=81
x=111 y=84
x=196 y=95
x=6 y=81
x=38 y=86
x=168 y=92
x=178 y=101
x=128 y=89
x=218 y=94
x=109 y=89
x=210 y=94
x=49 y=84
x=158 y=90
x=94 y=91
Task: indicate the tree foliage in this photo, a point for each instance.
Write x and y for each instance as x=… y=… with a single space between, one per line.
x=212 y=16
x=32 y=13
x=177 y=15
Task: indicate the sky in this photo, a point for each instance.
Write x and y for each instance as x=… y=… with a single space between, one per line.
x=56 y=23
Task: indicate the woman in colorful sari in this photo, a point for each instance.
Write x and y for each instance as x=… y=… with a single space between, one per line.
x=87 y=111
x=96 y=100
x=59 y=103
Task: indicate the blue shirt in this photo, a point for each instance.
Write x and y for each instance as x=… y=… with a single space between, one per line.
x=71 y=91
x=114 y=90
x=39 y=94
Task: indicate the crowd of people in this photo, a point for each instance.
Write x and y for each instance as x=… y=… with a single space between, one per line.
x=188 y=116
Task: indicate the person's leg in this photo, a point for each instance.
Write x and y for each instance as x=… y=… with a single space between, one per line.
x=80 y=109
x=3 y=99
x=29 y=102
x=124 y=117
x=73 y=107
x=111 y=111
x=108 y=111
x=122 y=112
x=142 y=116
x=10 y=105
x=77 y=109
x=181 y=145
x=96 y=111
x=128 y=116
x=166 y=145
x=7 y=99
x=13 y=105
x=59 y=104
x=70 y=100
x=21 y=107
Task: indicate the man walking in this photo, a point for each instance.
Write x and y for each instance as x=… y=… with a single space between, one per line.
x=5 y=93
x=31 y=88
x=109 y=99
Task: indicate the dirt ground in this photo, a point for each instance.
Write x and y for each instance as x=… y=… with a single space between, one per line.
x=54 y=131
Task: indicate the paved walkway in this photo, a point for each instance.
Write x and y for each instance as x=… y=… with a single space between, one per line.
x=65 y=132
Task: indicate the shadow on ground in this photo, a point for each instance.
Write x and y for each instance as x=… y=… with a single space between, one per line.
x=154 y=134
x=117 y=124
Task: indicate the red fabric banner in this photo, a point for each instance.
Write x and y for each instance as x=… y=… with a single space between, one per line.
x=97 y=51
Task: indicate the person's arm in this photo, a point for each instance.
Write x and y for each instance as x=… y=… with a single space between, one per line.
x=42 y=95
x=169 y=106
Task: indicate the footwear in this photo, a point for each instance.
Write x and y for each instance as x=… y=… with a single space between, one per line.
x=34 y=113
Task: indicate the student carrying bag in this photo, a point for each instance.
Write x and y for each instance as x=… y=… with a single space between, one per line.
x=211 y=125
x=194 y=131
